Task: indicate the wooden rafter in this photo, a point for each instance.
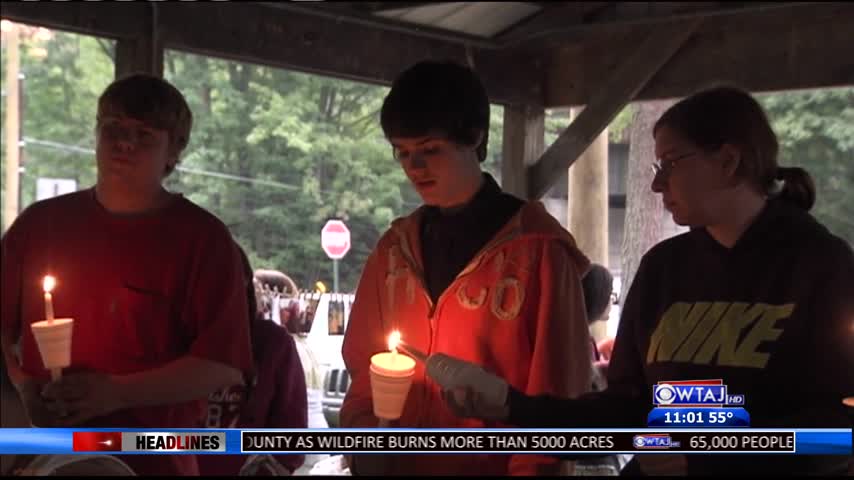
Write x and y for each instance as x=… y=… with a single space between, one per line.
x=636 y=70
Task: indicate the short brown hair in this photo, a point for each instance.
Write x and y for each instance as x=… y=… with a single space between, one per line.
x=730 y=115
x=153 y=101
x=441 y=96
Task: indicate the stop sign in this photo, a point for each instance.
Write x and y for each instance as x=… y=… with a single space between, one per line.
x=335 y=239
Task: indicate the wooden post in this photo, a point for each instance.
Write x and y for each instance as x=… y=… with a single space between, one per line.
x=143 y=53
x=13 y=127
x=587 y=207
x=524 y=139
x=587 y=200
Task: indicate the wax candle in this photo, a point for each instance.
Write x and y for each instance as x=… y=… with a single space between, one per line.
x=393 y=341
x=48 y=284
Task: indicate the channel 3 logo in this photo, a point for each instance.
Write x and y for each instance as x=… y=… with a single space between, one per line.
x=699 y=393
x=654 y=441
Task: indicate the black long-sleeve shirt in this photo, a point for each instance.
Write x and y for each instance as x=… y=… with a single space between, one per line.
x=450 y=240
x=773 y=317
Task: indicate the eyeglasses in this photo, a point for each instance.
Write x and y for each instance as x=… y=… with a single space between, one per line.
x=665 y=166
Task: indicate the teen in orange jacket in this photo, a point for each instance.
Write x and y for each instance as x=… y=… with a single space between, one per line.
x=474 y=273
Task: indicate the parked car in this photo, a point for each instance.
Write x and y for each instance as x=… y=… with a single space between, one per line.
x=336 y=381
x=325 y=339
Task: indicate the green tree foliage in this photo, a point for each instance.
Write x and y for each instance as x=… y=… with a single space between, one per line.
x=816 y=132
x=316 y=143
x=275 y=153
x=59 y=100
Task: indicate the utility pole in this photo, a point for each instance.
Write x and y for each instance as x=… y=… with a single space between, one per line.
x=13 y=128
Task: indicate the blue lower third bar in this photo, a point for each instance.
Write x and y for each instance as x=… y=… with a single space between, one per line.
x=823 y=442
x=56 y=441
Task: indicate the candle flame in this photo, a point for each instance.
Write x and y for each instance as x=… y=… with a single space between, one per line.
x=393 y=340
x=48 y=283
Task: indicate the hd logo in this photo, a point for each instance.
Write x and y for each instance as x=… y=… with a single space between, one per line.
x=694 y=393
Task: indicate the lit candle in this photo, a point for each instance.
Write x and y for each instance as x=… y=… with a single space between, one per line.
x=391 y=376
x=393 y=341
x=392 y=362
x=48 y=284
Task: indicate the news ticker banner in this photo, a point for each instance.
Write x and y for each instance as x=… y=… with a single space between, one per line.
x=516 y=441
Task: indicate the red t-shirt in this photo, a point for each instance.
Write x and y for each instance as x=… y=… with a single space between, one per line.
x=277 y=400
x=144 y=290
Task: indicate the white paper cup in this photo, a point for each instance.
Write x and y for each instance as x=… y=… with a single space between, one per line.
x=390 y=382
x=54 y=341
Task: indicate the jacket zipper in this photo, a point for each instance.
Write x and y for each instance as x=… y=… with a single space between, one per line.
x=469 y=268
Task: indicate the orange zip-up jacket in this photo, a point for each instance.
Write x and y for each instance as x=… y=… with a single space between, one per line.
x=517 y=309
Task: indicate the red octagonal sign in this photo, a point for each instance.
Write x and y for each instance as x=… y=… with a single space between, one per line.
x=335 y=239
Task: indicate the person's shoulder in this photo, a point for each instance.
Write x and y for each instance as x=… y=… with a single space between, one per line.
x=674 y=250
x=670 y=246
x=533 y=226
x=197 y=217
x=271 y=330
x=276 y=337
x=817 y=241
x=61 y=203
x=401 y=228
x=61 y=206
x=800 y=232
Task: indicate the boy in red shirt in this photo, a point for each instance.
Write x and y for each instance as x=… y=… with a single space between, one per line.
x=153 y=282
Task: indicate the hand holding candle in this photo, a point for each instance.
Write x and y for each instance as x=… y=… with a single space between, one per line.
x=391 y=376
x=53 y=335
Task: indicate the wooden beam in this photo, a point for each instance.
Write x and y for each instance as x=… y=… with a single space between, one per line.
x=613 y=94
x=523 y=141
x=277 y=37
x=385 y=6
x=558 y=15
x=782 y=48
x=102 y=19
x=298 y=41
x=349 y=16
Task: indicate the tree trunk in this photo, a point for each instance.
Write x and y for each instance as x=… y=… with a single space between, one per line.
x=647 y=222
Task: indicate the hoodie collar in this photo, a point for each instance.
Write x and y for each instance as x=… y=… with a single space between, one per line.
x=766 y=224
x=466 y=215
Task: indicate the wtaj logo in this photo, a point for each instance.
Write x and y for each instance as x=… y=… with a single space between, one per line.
x=652 y=441
x=694 y=393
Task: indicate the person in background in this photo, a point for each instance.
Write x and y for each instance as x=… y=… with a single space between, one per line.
x=152 y=281
x=758 y=293
x=598 y=286
x=474 y=272
x=289 y=313
x=274 y=398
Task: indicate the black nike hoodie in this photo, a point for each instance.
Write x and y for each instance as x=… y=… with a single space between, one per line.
x=773 y=317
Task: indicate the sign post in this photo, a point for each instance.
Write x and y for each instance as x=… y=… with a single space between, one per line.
x=335 y=240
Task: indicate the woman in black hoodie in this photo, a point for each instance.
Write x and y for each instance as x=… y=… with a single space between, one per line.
x=757 y=293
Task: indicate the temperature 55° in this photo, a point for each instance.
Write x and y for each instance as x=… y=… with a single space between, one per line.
x=719 y=417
